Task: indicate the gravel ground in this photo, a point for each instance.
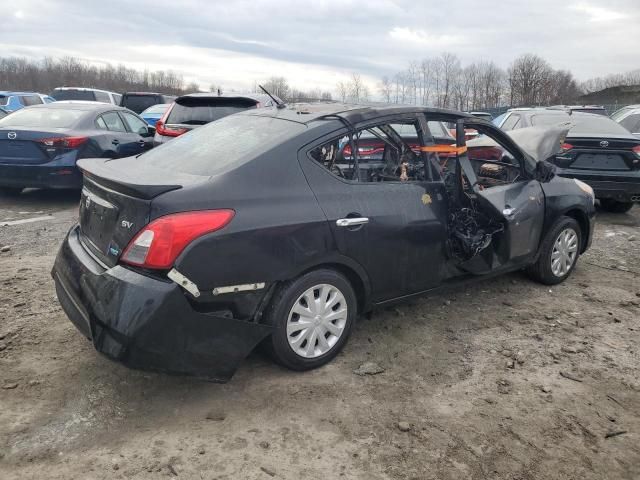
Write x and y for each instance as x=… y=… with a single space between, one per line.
x=507 y=379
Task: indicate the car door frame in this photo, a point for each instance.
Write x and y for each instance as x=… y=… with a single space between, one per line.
x=428 y=194
x=531 y=207
x=146 y=143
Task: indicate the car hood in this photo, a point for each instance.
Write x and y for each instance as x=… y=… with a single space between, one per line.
x=541 y=143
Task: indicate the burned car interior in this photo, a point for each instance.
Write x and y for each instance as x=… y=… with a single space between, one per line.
x=407 y=151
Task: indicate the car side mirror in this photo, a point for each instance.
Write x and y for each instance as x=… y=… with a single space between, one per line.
x=545 y=171
x=147 y=131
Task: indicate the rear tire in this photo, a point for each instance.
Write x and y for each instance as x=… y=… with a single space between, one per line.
x=615 y=206
x=559 y=252
x=11 y=191
x=312 y=317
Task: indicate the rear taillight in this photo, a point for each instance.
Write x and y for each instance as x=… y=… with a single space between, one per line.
x=636 y=150
x=63 y=142
x=565 y=147
x=161 y=129
x=158 y=244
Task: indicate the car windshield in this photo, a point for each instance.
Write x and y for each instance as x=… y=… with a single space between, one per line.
x=161 y=108
x=138 y=103
x=43 y=117
x=583 y=123
x=498 y=120
x=221 y=145
x=199 y=111
x=73 y=95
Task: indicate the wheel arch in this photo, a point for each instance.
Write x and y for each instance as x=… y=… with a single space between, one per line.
x=581 y=217
x=354 y=273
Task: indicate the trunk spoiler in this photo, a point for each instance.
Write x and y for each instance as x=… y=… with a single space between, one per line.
x=134 y=178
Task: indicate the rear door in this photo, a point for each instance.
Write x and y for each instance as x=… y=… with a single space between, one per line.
x=138 y=127
x=385 y=212
x=504 y=189
x=124 y=143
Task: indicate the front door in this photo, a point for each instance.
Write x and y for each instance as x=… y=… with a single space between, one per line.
x=385 y=213
x=494 y=169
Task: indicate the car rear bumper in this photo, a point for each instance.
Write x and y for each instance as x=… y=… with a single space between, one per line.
x=39 y=176
x=621 y=186
x=148 y=323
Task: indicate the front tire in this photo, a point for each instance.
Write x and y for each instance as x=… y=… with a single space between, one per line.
x=312 y=318
x=559 y=252
x=615 y=206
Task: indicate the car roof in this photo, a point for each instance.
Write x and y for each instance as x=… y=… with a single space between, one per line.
x=85 y=89
x=260 y=97
x=307 y=113
x=148 y=93
x=81 y=105
x=11 y=92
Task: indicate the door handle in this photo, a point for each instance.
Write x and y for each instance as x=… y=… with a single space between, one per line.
x=116 y=142
x=352 y=222
x=142 y=143
x=509 y=212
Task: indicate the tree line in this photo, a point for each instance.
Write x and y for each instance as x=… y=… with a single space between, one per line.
x=444 y=82
x=45 y=75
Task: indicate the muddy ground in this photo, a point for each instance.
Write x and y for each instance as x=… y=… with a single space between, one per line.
x=508 y=379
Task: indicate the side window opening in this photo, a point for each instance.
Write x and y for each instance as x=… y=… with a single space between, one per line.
x=389 y=152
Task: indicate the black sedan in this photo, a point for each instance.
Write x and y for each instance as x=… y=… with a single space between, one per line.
x=597 y=150
x=40 y=145
x=251 y=229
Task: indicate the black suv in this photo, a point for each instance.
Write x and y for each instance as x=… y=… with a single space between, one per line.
x=597 y=151
x=140 y=101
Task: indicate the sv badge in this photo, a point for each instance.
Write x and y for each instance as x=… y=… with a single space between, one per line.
x=126 y=224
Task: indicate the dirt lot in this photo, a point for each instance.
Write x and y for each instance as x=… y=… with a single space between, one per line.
x=505 y=380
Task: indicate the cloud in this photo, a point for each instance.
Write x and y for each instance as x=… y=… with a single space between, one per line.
x=598 y=14
x=238 y=42
x=419 y=36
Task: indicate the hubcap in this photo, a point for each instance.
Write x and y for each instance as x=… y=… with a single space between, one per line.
x=565 y=251
x=316 y=321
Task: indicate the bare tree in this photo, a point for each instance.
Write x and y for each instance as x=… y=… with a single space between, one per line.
x=278 y=86
x=386 y=89
x=357 y=89
x=343 y=91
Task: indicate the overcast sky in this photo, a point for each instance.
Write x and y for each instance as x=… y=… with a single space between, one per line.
x=317 y=43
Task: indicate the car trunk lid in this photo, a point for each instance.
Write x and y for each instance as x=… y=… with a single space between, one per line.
x=116 y=202
x=589 y=153
x=31 y=147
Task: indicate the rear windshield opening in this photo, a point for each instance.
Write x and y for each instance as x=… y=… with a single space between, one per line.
x=43 y=117
x=198 y=111
x=583 y=124
x=73 y=95
x=221 y=145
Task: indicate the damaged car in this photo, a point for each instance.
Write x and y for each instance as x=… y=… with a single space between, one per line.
x=259 y=229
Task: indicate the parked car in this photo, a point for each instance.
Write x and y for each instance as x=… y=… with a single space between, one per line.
x=243 y=232
x=86 y=94
x=629 y=118
x=46 y=98
x=3 y=112
x=40 y=145
x=197 y=109
x=12 y=101
x=597 y=151
x=140 y=101
x=485 y=115
x=596 y=109
x=152 y=114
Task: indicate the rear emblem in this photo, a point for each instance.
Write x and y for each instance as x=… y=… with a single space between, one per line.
x=604 y=143
x=12 y=135
x=126 y=224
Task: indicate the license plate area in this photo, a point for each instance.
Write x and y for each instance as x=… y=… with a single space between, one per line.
x=98 y=218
